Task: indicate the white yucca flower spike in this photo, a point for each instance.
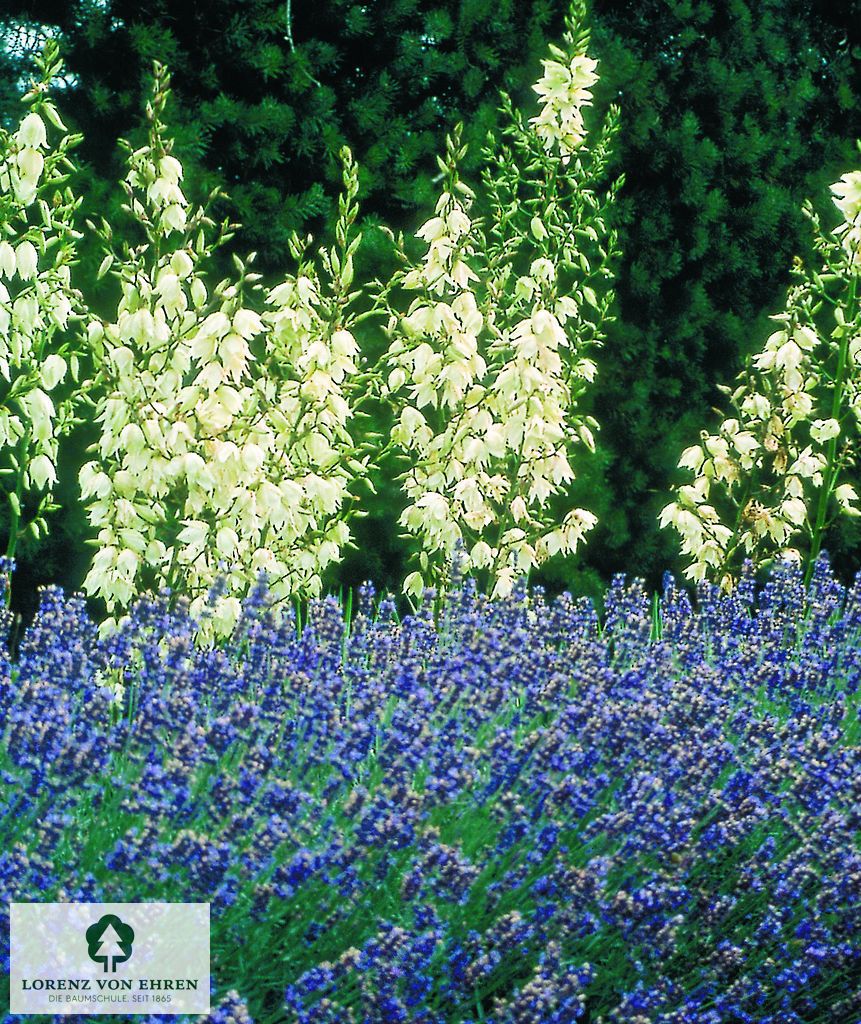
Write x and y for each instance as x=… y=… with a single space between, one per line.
x=486 y=365
x=847 y=199
x=564 y=89
x=771 y=480
x=39 y=355
x=225 y=449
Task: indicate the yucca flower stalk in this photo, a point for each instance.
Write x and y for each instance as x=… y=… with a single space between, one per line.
x=225 y=448
x=488 y=363
x=782 y=467
x=40 y=353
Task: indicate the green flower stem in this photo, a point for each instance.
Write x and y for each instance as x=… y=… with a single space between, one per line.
x=16 y=497
x=830 y=478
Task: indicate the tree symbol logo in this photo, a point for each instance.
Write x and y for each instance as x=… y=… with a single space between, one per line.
x=109 y=941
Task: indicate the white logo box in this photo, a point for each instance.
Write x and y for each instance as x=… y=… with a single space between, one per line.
x=109 y=958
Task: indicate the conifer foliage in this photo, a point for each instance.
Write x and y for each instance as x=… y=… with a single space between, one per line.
x=267 y=92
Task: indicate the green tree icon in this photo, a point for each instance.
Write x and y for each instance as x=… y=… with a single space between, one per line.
x=109 y=941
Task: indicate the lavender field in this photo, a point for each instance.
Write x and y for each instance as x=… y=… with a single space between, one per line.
x=507 y=811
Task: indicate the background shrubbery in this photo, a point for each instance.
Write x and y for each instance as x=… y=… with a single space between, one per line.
x=732 y=115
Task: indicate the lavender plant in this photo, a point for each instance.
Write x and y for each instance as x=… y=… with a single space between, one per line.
x=506 y=812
